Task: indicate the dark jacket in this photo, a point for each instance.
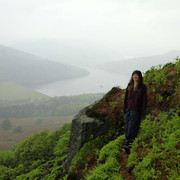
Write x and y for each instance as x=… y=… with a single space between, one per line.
x=136 y=99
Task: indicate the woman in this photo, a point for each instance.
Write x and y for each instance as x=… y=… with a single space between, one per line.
x=134 y=107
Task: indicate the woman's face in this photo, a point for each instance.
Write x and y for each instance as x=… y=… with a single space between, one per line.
x=135 y=77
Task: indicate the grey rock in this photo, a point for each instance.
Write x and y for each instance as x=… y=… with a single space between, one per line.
x=83 y=127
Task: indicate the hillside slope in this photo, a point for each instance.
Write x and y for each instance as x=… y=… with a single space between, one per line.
x=155 y=152
x=29 y=70
x=10 y=91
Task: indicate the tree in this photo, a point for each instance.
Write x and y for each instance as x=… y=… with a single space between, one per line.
x=6 y=124
x=17 y=129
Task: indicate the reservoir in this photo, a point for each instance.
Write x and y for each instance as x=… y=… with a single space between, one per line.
x=97 y=81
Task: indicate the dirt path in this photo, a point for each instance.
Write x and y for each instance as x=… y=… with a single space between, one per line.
x=124 y=170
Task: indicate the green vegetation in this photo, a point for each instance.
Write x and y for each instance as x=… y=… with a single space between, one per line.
x=154 y=154
x=113 y=105
x=10 y=92
x=108 y=161
x=57 y=106
x=17 y=129
x=110 y=93
x=164 y=83
x=159 y=138
x=6 y=124
x=39 y=121
x=91 y=150
x=36 y=154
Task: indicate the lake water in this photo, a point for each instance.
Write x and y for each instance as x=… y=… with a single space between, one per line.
x=98 y=81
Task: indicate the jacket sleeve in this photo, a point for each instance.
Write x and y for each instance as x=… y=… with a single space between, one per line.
x=125 y=101
x=144 y=102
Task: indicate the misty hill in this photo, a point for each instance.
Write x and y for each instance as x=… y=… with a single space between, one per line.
x=126 y=66
x=154 y=153
x=29 y=70
x=11 y=92
x=71 y=51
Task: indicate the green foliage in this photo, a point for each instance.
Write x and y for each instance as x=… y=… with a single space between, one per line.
x=159 y=139
x=113 y=105
x=29 y=159
x=38 y=121
x=6 y=124
x=160 y=98
x=34 y=174
x=7 y=173
x=56 y=106
x=178 y=64
x=156 y=75
x=61 y=148
x=111 y=149
x=17 y=129
x=39 y=146
x=89 y=148
x=108 y=161
x=164 y=83
x=7 y=158
x=123 y=96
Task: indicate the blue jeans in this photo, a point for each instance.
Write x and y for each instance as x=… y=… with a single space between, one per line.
x=132 y=124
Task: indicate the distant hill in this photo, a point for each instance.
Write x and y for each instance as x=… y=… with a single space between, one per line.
x=142 y=63
x=29 y=70
x=11 y=92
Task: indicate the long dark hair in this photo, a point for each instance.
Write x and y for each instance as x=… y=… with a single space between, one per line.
x=131 y=82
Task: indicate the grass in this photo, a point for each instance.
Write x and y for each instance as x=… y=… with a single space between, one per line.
x=29 y=126
x=10 y=91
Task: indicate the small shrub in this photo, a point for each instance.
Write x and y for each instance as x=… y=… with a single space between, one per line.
x=17 y=129
x=6 y=124
x=39 y=121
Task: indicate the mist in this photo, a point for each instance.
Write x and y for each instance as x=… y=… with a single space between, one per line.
x=114 y=28
x=114 y=36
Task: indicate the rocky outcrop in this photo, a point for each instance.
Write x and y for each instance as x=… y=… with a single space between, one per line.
x=83 y=127
x=95 y=120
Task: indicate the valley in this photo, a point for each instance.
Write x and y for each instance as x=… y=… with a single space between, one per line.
x=29 y=126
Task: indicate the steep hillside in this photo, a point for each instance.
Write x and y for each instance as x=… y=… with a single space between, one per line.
x=29 y=70
x=155 y=152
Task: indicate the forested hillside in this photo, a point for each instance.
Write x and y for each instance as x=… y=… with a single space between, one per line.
x=57 y=106
x=29 y=70
x=155 y=152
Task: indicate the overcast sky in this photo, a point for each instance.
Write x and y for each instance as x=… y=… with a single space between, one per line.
x=136 y=27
